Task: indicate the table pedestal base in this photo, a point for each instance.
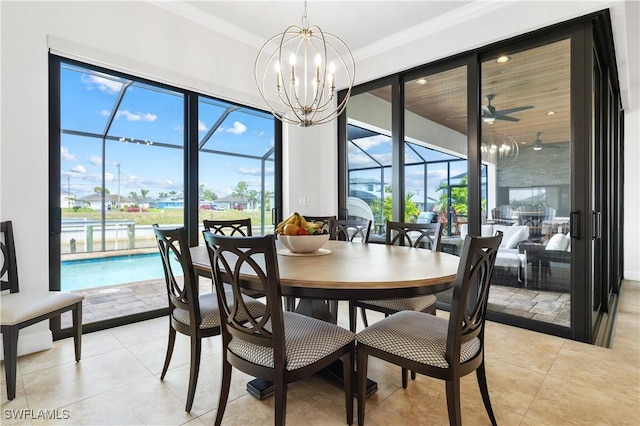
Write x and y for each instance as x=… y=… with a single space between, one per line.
x=262 y=389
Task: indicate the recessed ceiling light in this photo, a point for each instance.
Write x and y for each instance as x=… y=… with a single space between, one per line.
x=421 y=81
x=551 y=113
x=502 y=59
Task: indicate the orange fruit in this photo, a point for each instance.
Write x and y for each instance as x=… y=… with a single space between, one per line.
x=291 y=229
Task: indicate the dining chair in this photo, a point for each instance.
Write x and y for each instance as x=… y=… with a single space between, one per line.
x=417 y=235
x=190 y=313
x=348 y=230
x=232 y=227
x=280 y=346
x=323 y=221
x=434 y=346
x=21 y=309
x=235 y=228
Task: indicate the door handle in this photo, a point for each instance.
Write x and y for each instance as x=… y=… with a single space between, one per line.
x=574 y=224
x=597 y=226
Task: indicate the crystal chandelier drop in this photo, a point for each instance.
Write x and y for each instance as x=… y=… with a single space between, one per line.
x=296 y=72
x=500 y=148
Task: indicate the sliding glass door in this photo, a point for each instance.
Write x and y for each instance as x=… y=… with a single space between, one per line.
x=522 y=137
x=526 y=143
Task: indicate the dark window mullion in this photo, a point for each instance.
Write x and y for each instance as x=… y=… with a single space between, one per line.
x=191 y=188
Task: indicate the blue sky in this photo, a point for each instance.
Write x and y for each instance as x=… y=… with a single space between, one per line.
x=149 y=114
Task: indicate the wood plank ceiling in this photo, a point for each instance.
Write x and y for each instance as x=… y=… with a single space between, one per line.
x=538 y=77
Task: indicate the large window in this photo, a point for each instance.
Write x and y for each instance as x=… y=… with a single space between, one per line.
x=124 y=160
x=236 y=164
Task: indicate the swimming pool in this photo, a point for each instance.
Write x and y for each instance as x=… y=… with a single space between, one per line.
x=92 y=273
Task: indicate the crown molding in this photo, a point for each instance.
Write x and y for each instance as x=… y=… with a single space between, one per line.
x=192 y=13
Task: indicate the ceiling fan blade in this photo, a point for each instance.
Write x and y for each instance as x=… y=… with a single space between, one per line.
x=507 y=118
x=512 y=110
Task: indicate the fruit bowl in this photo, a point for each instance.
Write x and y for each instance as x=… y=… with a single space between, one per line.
x=303 y=243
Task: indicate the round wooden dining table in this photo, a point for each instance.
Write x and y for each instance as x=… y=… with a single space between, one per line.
x=353 y=271
x=348 y=271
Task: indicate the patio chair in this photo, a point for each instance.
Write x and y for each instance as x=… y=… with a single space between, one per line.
x=21 y=309
x=280 y=346
x=190 y=313
x=434 y=346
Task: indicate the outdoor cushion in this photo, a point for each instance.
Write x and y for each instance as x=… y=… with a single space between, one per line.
x=518 y=236
x=558 y=242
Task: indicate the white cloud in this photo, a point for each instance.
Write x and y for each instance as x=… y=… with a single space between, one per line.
x=65 y=154
x=202 y=126
x=103 y=84
x=366 y=143
x=95 y=159
x=79 y=169
x=136 y=116
x=237 y=129
x=254 y=171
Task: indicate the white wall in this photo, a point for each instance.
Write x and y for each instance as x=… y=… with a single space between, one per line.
x=147 y=41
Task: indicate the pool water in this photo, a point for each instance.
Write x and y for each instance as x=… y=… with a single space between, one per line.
x=92 y=273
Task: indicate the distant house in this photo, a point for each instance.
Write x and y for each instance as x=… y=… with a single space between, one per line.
x=94 y=201
x=230 y=202
x=367 y=189
x=67 y=199
x=168 y=203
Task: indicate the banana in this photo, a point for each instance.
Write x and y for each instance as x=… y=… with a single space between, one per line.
x=296 y=219
x=281 y=225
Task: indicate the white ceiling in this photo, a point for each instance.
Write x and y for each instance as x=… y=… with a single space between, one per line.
x=368 y=26
x=357 y=23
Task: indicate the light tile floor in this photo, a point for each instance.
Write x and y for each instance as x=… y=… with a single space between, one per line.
x=533 y=379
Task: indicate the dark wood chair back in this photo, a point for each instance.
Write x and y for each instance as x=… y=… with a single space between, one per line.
x=323 y=221
x=471 y=293
x=350 y=229
x=234 y=228
x=229 y=256
x=183 y=292
x=9 y=271
x=426 y=235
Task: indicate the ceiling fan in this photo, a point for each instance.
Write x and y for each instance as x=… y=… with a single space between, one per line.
x=489 y=113
x=537 y=144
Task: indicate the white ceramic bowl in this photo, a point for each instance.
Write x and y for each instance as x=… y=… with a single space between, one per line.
x=303 y=243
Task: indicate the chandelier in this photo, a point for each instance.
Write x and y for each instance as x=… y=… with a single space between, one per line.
x=296 y=72
x=500 y=148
